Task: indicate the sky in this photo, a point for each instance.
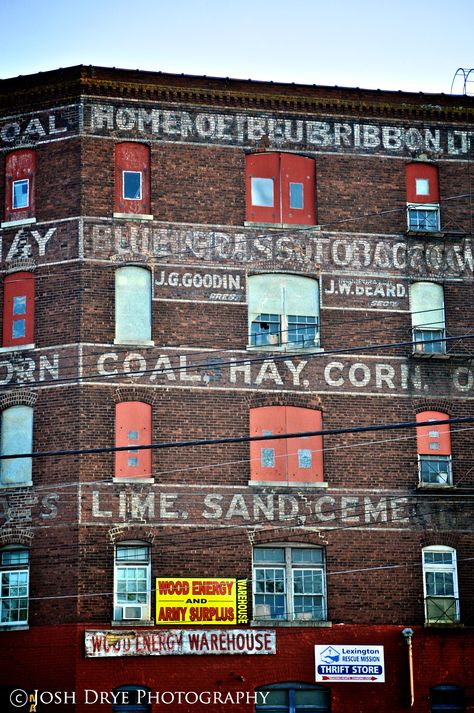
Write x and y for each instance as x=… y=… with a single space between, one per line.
x=411 y=45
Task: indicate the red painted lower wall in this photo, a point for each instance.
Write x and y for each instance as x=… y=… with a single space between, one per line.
x=52 y=659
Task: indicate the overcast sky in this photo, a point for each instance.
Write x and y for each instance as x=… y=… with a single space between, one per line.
x=414 y=45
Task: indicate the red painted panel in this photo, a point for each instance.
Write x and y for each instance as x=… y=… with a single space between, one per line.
x=298 y=170
x=20 y=166
x=132 y=428
x=263 y=165
x=268 y=418
x=437 y=436
x=300 y=420
x=423 y=171
x=132 y=157
x=19 y=309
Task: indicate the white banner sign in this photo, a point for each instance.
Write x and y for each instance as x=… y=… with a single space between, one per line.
x=348 y=663
x=169 y=642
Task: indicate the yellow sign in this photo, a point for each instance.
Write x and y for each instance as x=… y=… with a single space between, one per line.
x=201 y=601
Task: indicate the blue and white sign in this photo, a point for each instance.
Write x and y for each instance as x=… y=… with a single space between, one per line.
x=350 y=664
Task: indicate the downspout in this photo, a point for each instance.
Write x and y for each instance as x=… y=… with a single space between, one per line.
x=407 y=635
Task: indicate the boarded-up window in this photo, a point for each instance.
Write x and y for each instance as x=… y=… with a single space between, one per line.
x=16 y=437
x=434 y=449
x=422 y=188
x=283 y=310
x=20 y=172
x=18 y=309
x=132 y=178
x=427 y=315
x=132 y=305
x=132 y=429
x=286 y=460
x=280 y=188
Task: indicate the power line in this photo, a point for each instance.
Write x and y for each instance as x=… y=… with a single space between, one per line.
x=241 y=439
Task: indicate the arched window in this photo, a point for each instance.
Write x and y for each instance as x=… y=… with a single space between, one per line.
x=292 y=697
x=282 y=460
x=422 y=187
x=447 y=699
x=440 y=583
x=132 y=305
x=434 y=449
x=132 y=180
x=14 y=573
x=20 y=172
x=280 y=189
x=132 y=699
x=132 y=587
x=132 y=428
x=16 y=437
x=18 y=309
x=427 y=318
x=283 y=311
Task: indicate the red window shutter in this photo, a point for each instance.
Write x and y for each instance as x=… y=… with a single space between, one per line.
x=262 y=421
x=299 y=171
x=305 y=455
x=424 y=172
x=20 y=166
x=136 y=158
x=19 y=309
x=267 y=166
x=132 y=428
x=433 y=440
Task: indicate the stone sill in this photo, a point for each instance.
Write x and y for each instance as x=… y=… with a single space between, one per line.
x=285 y=484
x=16 y=223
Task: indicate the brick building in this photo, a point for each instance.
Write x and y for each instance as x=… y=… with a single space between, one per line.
x=194 y=259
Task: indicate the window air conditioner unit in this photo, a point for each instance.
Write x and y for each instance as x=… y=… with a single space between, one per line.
x=263 y=611
x=132 y=613
x=304 y=615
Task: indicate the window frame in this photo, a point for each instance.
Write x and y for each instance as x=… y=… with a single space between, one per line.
x=449 y=706
x=6 y=570
x=12 y=444
x=127 y=565
x=20 y=166
x=132 y=303
x=16 y=285
x=291 y=706
x=139 y=414
x=287 y=566
x=434 y=446
x=444 y=569
x=283 y=169
x=280 y=294
x=132 y=157
x=415 y=210
x=437 y=325
x=130 y=707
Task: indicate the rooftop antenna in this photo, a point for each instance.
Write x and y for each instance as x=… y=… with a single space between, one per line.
x=464 y=81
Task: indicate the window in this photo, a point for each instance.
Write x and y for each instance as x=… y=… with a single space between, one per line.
x=20 y=171
x=16 y=437
x=18 y=309
x=14 y=571
x=440 y=585
x=132 y=428
x=427 y=318
x=132 y=699
x=280 y=189
x=282 y=460
x=447 y=699
x=289 y=583
x=276 y=303
x=132 y=180
x=434 y=450
x=133 y=305
x=293 y=697
x=132 y=582
x=422 y=197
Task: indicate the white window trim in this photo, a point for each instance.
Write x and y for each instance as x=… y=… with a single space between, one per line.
x=23 y=207
x=146 y=608
x=432 y=207
x=7 y=569
x=449 y=468
x=288 y=568
x=140 y=197
x=452 y=569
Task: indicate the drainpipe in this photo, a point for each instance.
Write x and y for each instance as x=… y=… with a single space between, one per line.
x=407 y=635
